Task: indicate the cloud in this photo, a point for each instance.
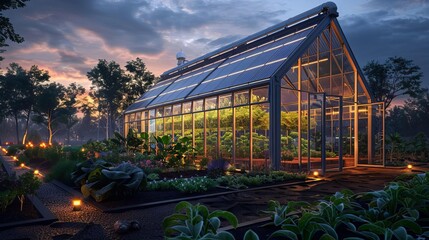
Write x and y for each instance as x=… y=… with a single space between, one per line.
x=383 y=32
x=67 y=57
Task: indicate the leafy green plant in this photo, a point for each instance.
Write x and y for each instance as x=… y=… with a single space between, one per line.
x=61 y=171
x=197 y=222
x=27 y=184
x=84 y=169
x=123 y=180
x=185 y=185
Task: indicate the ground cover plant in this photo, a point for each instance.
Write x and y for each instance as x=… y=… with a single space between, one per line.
x=399 y=211
x=12 y=188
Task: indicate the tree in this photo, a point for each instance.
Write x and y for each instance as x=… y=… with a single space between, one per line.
x=19 y=89
x=67 y=112
x=35 y=77
x=114 y=90
x=140 y=80
x=396 y=77
x=7 y=32
x=48 y=107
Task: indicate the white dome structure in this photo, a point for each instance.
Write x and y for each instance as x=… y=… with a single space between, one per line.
x=181 y=58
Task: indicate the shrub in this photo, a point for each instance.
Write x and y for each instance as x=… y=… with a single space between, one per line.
x=13 y=149
x=61 y=171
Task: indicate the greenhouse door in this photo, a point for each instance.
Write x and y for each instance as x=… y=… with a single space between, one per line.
x=323 y=148
x=370 y=135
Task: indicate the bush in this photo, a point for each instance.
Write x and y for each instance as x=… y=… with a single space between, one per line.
x=13 y=149
x=61 y=171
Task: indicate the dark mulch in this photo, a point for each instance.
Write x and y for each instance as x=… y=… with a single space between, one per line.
x=14 y=214
x=153 y=196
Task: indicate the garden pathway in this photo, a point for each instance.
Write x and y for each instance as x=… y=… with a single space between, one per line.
x=245 y=205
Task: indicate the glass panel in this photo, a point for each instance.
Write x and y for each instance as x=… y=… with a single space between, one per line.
x=187 y=126
x=260 y=136
x=259 y=94
x=212 y=134
x=211 y=103
x=167 y=111
x=177 y=122
x=152 y=113
x=187 y=107
x=168 y=126
x=289 y=128
x=241 y=97
x=225 y=100
x=198 y=105
x=159 y=126
x=177 y=109
x=199 y=133
x=159 y=112
x=226 y=123
x=242 y=137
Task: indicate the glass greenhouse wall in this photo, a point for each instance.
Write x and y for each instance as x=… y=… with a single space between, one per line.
x=290 y=97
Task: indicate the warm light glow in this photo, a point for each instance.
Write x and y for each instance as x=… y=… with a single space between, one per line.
x=4 y=150
x=315 y=173
x=15 y=158
x=36 y=172
x=77 y=203
x=43 y=145
x=22 y=165
x=83 y=149
x=310 y=63
x=410 y=166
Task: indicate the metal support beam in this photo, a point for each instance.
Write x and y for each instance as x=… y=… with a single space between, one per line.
x=340 y=144
x=275 y=118
x=323 y=133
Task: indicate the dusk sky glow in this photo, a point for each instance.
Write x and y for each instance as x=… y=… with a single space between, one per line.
x=67 y=37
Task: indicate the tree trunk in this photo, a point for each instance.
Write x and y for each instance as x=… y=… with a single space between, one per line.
x=24 y=138
x=16 y=128
x=50 y=128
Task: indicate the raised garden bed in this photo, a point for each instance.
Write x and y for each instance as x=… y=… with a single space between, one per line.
x=33 y=211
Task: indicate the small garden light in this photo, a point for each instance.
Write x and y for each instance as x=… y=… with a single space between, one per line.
x=22 y=165
x=409 y=166
x=83 y=149
x=77 y=204
x=316 y=173
x=36 y=172
x=15 y=158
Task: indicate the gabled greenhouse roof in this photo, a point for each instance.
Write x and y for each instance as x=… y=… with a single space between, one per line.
x=244 y=63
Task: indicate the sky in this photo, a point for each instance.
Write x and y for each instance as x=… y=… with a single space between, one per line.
x=67 y=37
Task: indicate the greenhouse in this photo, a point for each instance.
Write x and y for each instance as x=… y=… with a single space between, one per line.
x=289 y=97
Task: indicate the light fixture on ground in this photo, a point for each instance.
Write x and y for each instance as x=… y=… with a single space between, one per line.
x=409 y=166
x=15 y=158
x=22 y=165
x=316 y=173
x=77 y=204
x=36 y=172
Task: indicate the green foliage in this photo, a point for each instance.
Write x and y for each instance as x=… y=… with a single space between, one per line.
x=13 y=149
x=61 y=171
x=251 y=180
x=84 y=169
x=397 y=212
x=103 y=182
x=197 y=222
x=10 y=188
x=185 y=185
